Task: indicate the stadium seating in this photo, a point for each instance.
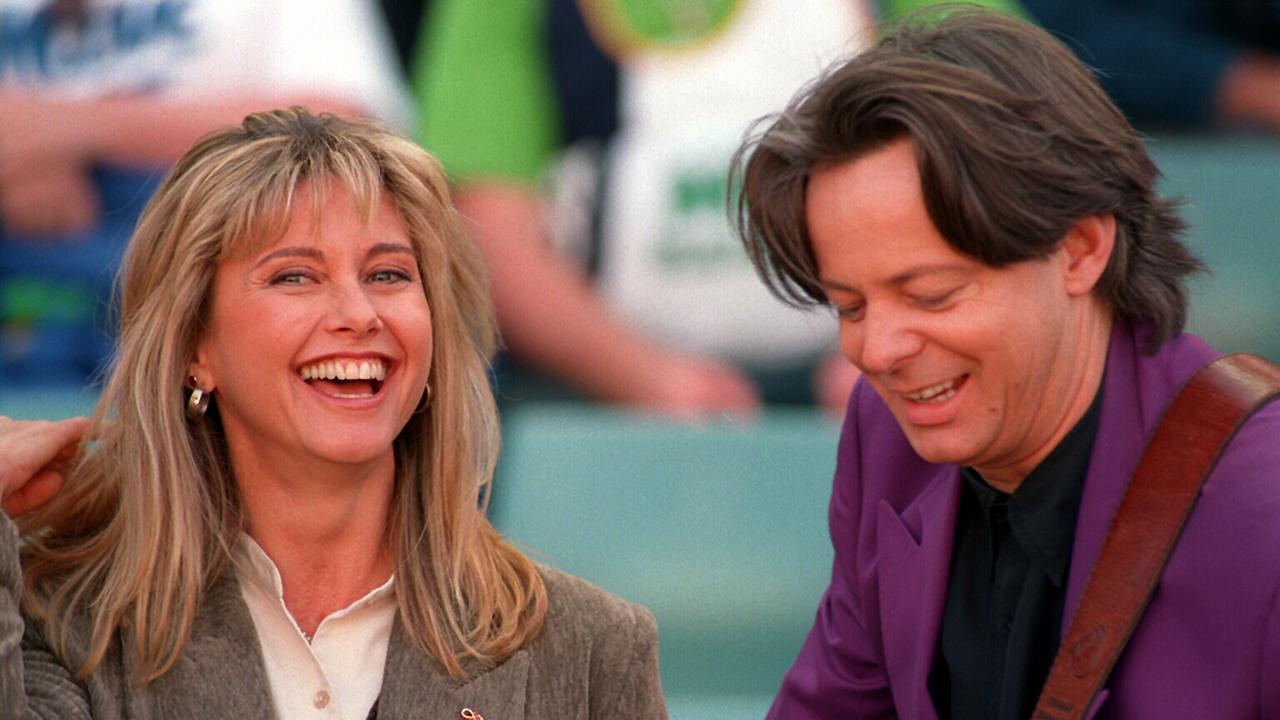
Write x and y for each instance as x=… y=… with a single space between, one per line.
x=1231 y=187
x=720 y=529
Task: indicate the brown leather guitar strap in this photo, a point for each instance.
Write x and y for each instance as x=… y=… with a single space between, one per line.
x=1183 y=450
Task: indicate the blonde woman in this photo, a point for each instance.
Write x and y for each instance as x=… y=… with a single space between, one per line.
x=279 y=516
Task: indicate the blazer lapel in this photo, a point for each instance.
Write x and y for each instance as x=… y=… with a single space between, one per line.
x=221 y=673
x=914 y=563
x=415 y=687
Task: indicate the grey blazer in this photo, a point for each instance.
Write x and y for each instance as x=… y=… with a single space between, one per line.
x=596 y=657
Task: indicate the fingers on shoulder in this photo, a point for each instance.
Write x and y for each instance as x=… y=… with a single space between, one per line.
x=67 y=426
x=60 y=432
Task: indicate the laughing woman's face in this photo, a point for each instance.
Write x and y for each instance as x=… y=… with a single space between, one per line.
x=319 y=345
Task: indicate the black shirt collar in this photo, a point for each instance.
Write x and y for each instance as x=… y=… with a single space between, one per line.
x=1042 y=510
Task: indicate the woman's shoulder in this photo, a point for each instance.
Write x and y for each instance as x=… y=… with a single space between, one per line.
x=580 y=608
x=594 y=649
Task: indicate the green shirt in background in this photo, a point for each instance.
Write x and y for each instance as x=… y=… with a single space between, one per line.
x=485 y=102
x=894 y=9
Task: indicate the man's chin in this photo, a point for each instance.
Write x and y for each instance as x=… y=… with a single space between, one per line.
x=941 y=447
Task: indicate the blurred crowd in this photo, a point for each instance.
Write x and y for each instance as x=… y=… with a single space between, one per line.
x=98 y=97
x=588 y=141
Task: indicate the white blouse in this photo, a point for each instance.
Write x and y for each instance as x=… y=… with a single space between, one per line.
x=338 y=674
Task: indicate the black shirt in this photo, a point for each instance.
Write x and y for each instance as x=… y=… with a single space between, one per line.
x=1001 y=623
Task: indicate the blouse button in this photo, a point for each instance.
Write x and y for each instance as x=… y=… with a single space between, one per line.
x=321 y=700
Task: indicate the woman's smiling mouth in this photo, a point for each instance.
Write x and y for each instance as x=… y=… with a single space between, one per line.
x=346 y=378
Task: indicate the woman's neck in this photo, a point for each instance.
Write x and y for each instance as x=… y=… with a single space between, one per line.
x=325 y=532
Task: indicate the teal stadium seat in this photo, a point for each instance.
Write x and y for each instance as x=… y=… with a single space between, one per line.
x=52 y=402
x=720 y=529
x=1231 y=185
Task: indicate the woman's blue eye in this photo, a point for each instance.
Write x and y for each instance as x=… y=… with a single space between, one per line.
x=289 y=278
x=386 y=276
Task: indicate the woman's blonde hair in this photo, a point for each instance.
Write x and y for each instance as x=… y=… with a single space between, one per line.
x=150 y=514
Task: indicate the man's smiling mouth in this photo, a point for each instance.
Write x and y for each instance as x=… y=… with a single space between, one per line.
x=936 y=393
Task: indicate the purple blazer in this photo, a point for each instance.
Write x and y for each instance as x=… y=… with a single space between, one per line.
x=1208 y=645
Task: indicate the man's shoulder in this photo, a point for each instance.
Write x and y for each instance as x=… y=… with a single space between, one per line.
x=1242 y=491
x=1251 y=460
x=1255 y=448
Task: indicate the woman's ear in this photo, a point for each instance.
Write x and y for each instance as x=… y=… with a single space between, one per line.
x=199 y=374
x=1087 y=247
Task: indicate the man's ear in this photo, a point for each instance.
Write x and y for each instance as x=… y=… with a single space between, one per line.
x=1087 y=249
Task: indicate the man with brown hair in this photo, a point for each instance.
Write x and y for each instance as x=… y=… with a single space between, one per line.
x=985 y=224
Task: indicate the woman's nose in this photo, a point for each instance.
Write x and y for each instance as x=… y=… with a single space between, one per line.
x=354 y=310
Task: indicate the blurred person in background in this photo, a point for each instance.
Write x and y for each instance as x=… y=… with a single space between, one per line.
x=1177 y=64
x=404 y=19
x=589 y=142
x=97 y=97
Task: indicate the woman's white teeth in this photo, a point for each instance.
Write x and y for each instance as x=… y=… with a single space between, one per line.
x=345 y=370
x=935 y=393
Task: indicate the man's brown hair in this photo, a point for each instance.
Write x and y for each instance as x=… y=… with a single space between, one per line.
x=1015 y=142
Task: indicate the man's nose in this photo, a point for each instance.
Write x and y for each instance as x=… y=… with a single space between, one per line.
x=885 y=341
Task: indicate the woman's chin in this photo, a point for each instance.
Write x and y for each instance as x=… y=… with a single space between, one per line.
x=350 y=450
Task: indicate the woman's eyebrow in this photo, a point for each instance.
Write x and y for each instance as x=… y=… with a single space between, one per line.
x=310 y=252
x=384 y=248
x=291 y=251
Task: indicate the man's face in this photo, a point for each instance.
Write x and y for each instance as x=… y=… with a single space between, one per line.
x=981 y=366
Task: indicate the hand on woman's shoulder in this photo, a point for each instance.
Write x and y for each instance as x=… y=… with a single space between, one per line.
x=33 y=459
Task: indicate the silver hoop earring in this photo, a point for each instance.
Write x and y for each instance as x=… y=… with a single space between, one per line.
x=198 y=402
x=426 y=400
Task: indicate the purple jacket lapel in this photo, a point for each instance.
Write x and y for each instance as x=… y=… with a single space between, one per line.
x=915 y=561
x=1136 y=391
x=1121 y=436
